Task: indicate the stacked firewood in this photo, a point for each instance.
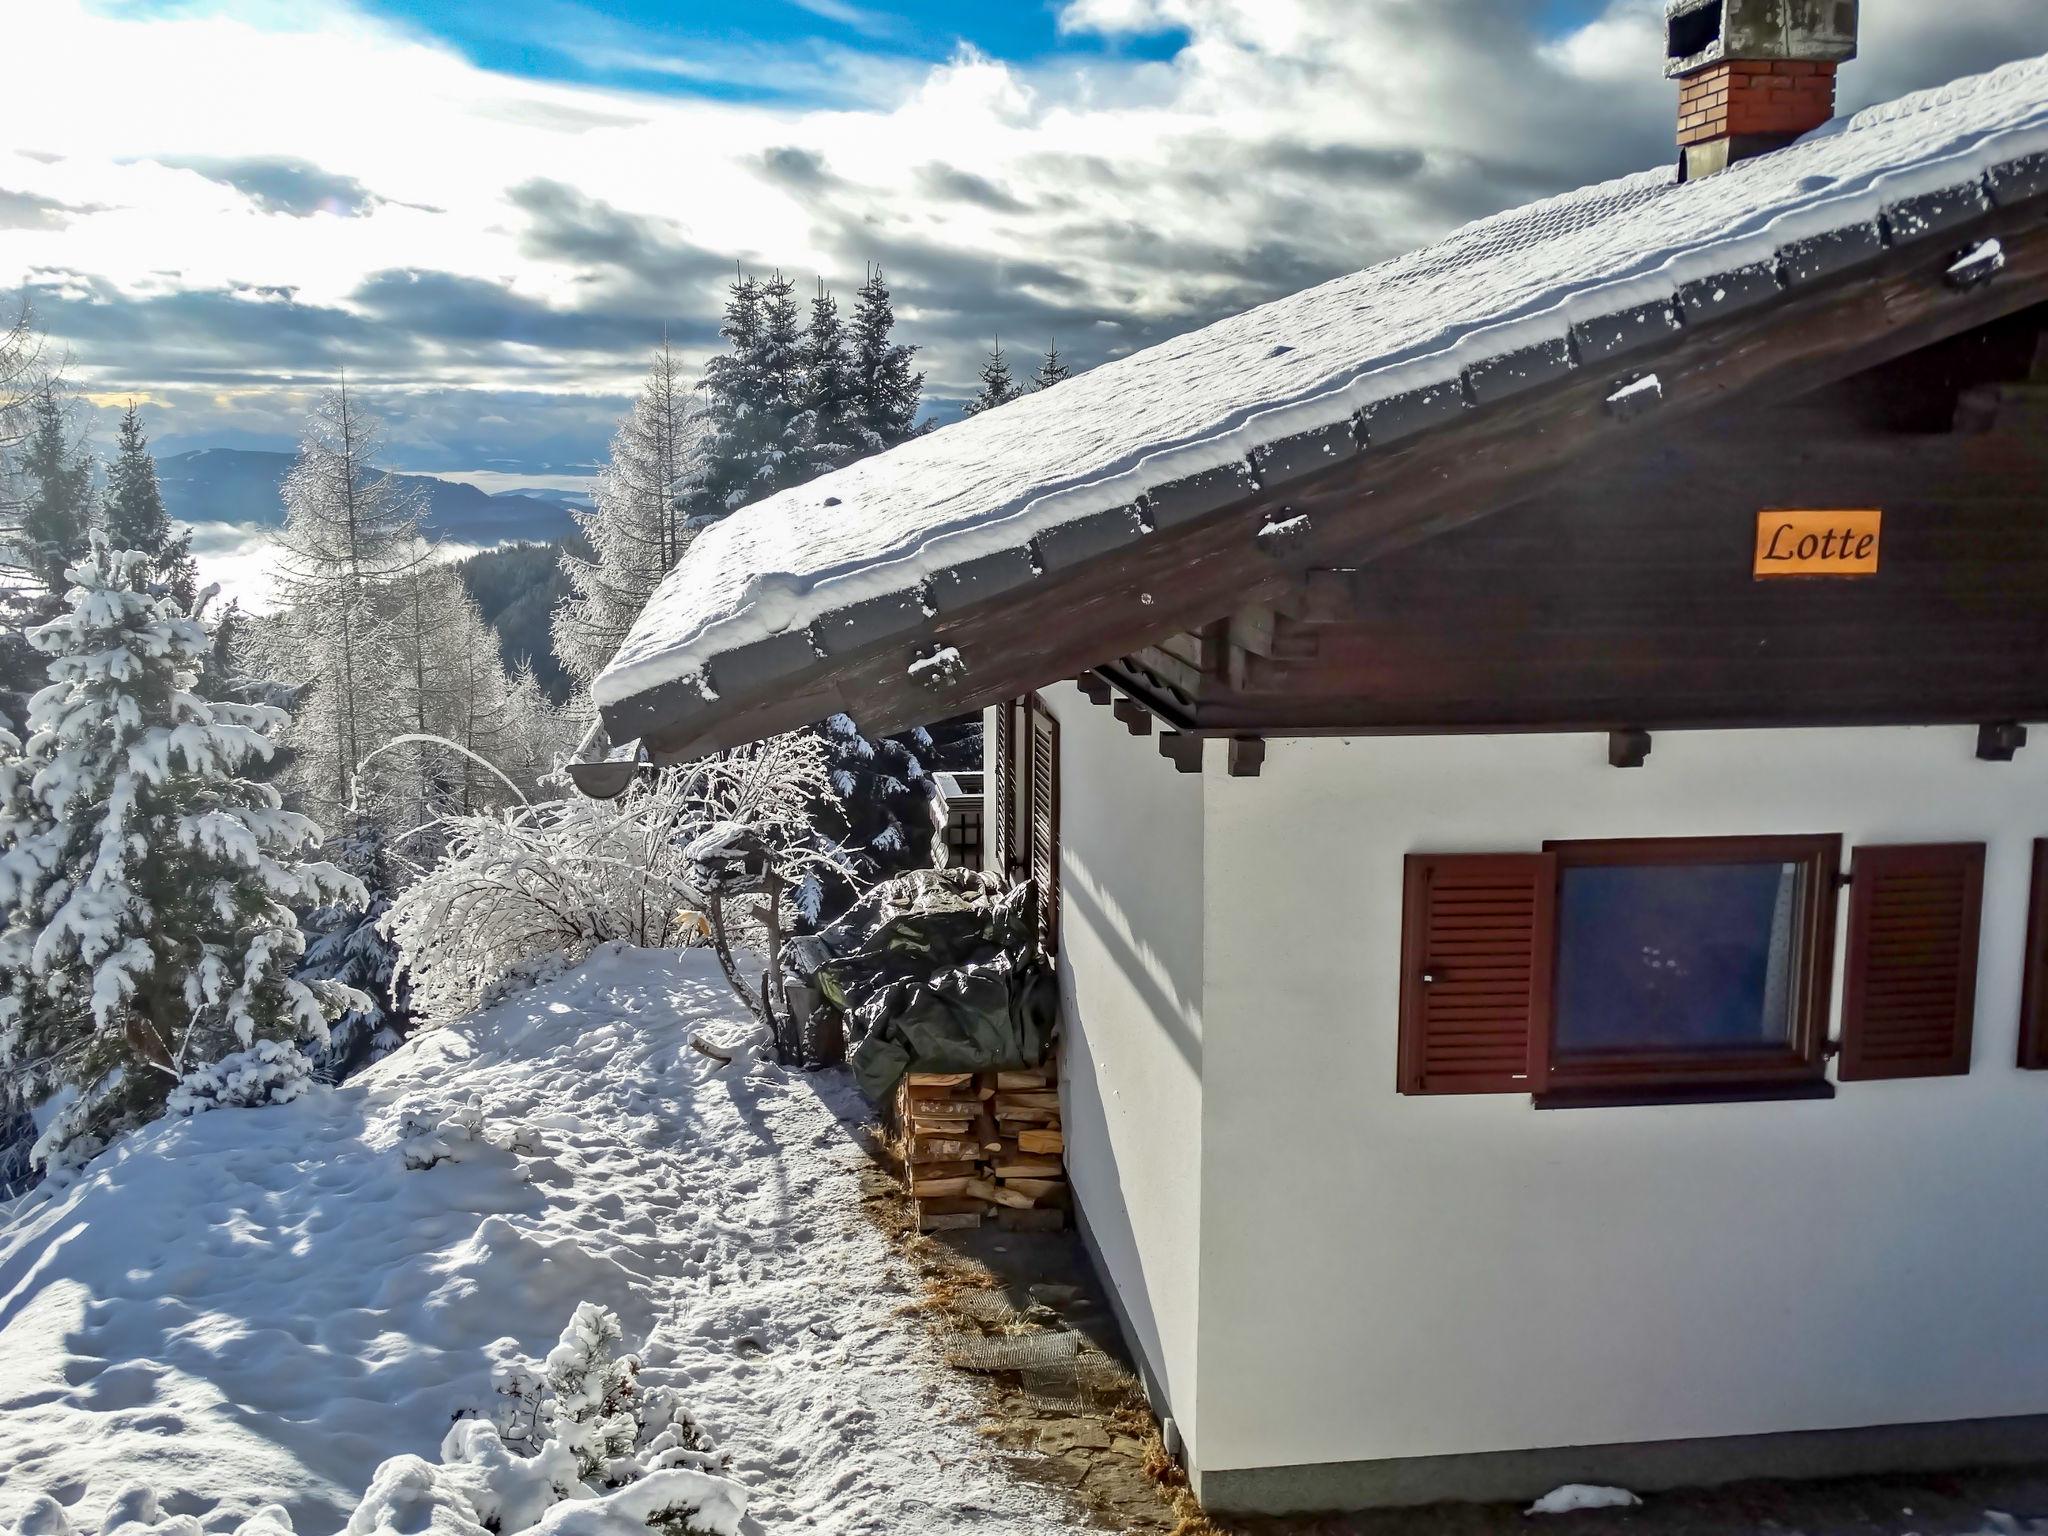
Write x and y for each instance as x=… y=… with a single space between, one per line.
x=978 y=1144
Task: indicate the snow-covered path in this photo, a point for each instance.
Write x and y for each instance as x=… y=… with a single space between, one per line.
x=261 y=1305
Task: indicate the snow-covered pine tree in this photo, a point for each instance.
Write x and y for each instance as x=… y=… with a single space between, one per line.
x=56 y=516
x=997 y=387
x=134 y=517
x=882 y=815
x=641 y=521
x=1052 y=369
x=350 y=531
x=147 y=886
x=826 y=427
x=744 y=418
x=886 y=393
x=20 y=357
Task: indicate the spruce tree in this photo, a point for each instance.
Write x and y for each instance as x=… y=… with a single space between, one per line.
x=134 y=517
x=146 y=884
x=741 y=408
x=826 y=425
x=1052 y=370
x=56 y=515
x=997 y=387
x=886 y=393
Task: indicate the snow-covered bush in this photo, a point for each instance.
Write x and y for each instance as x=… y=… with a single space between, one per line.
x=147 y=884
x=135 y=1511
x=651 y=868
x=577 y=1444
x=437 y=1133
x=269 y=1072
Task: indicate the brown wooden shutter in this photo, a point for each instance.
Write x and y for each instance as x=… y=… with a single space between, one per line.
x=1045 y=822
x=2034 y=992
x=1478 y=936
x=1001 y=799
x=1910 y=991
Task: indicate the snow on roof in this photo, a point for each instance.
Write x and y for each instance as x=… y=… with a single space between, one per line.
x=1194 y=423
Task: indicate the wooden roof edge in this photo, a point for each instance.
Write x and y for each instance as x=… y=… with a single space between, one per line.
x=1826 y=309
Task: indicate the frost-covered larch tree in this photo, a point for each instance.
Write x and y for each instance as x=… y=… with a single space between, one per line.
x=640 y=523
x=350 y=531
x=147 y=884
x=133 y=513
x=997 y=387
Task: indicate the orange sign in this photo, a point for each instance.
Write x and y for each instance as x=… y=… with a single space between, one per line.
x=1817 y=543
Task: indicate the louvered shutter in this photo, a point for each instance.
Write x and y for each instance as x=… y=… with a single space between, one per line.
x=1910 y=991
x=1478 y=934
x=1002 y=796
x=1045 y=822
x=2034 y=993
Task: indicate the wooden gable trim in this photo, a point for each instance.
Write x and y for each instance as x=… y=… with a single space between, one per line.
x=1182 y=580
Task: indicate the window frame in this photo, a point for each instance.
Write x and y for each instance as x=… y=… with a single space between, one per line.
x=1730 y=1074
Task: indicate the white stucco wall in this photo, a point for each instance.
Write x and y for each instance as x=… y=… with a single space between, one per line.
x=1384 y=1276
x=1132 y=941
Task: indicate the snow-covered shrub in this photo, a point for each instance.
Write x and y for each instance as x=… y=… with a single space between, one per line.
x=578 y=1445
x=269 y=1072
x=521 y=887
x=147 y=884
x=437 y=1133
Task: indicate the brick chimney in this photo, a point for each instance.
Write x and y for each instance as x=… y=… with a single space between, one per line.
x=1753 y=75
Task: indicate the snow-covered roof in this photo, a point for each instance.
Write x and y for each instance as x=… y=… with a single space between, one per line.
x=983 y=506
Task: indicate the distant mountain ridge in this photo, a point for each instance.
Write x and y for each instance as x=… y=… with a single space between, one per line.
x=244 y=486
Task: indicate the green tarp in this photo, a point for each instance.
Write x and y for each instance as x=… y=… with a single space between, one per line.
x=937 y=971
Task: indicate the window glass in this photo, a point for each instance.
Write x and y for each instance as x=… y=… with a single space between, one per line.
x=1677 y=957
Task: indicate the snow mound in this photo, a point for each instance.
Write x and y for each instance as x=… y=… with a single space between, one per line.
x=1577 y=1496
x=252 y=1311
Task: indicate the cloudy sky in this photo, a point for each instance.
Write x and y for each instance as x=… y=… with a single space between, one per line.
x=487 y=213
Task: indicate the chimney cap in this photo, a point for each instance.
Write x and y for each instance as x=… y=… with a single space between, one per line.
x=1703 y=33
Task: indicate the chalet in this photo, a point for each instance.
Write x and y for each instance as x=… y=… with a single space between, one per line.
x=1525 y=752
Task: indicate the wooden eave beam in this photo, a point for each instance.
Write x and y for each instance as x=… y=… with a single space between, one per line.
x=1390 y=498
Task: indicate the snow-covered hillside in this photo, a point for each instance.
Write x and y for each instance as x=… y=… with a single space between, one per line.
x=261 y=1305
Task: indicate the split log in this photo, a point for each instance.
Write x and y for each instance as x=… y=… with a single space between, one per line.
x=1041 y=1141
x=986 y=1133
x=940 y=1079
x=1044 y=1098
x=1016 y=1199
x=1034 y=1189
x=960 y=1184
x=920 y=1126
x=945 y=1109
x=943 y=1149
x=1030 y=1168
x=1023 y=1081
x=965 y=1168
x=1026 y=1116
x=948 y=1221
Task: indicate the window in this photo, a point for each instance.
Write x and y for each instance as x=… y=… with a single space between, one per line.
x=1674 y=968
x=1026 y=809
x=1691 y=961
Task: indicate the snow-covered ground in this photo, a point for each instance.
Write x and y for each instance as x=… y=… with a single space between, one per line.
x=261 y=1305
